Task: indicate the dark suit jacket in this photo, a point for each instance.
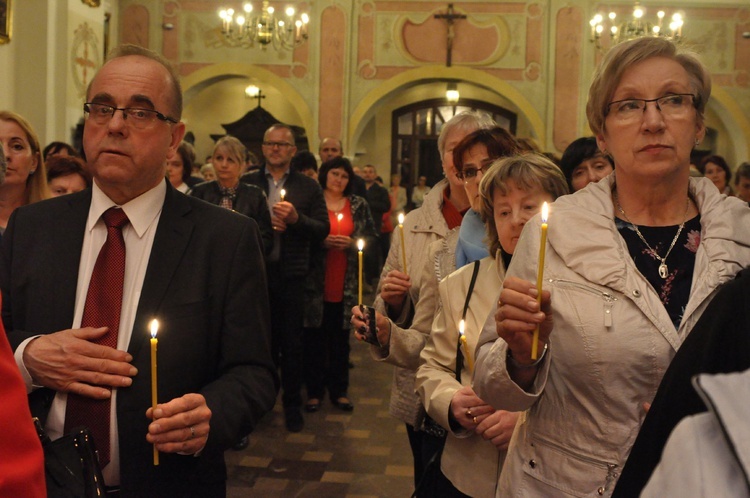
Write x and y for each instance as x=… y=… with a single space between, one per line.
x=719 y=343
x=311 y=228
x=205 y=282
x=250 y=201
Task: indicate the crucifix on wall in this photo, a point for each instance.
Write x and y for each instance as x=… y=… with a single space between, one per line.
x=450 y=17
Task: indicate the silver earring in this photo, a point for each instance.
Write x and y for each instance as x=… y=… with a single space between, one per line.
x=697 y=142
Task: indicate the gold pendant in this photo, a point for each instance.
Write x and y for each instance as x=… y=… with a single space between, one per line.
x=663 y=271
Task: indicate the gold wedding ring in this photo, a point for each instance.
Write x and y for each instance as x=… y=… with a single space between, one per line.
x=475 y=420
x=468 y=412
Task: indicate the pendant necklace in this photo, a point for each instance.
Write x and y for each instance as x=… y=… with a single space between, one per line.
x=663 y=270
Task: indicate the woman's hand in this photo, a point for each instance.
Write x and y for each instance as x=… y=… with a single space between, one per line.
x=394 y=288
x=360 y=326
x=498 y=427
x=468 y=409
x=340 y=242
x=517 y=316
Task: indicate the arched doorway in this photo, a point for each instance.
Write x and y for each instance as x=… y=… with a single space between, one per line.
x=415 y=131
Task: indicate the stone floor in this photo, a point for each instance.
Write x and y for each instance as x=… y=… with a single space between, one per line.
x=360 y=454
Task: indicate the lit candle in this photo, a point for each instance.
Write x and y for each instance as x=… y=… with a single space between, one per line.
x=360 y=246
x=154 y=343
x=283 y=194
x=539 y=277
x=403 y=244
x=339 y=217
x=465 y=346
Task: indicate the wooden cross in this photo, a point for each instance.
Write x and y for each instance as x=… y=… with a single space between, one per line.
x=450 y=17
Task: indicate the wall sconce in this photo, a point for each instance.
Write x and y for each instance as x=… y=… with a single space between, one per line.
x=451 y=94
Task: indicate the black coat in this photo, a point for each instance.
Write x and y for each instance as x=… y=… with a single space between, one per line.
x=205 y=281
x=250 y=201
x=311 y=228
x=719 y=343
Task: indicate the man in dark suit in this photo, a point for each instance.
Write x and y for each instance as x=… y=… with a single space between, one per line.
x=299 y=220
x=195 y=267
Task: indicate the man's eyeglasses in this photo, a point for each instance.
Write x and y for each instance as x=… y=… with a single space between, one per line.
x=134 y=116
x=276 y=144
x=671 y=106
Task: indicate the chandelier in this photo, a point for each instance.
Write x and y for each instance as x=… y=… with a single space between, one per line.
x=264 y=27
x=636 y=27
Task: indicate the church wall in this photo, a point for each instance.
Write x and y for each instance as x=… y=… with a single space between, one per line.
x=363 y=59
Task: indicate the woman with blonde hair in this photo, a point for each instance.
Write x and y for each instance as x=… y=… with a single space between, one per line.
x=227 y=191
x=26 y=177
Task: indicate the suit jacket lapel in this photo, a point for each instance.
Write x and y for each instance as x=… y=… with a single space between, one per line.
x=170 y=242
x=68 y=233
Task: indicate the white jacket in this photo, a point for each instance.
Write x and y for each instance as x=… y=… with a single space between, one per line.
x=409 y=331
x=469 y=462
x=708 y=454
x=611 y=343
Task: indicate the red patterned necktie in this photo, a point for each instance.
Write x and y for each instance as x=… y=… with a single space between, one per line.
x=102 y=309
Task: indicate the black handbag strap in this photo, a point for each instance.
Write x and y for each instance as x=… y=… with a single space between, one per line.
x=459 y=354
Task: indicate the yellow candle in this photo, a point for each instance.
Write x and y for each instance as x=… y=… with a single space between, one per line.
x=283 y=194
x=360 y=247
x=540 y=277
x=339 y=217
x=154 y=343
x=403 y=244
x=465 y=347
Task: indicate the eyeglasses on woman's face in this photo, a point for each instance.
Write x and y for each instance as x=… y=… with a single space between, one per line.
x=674 y=105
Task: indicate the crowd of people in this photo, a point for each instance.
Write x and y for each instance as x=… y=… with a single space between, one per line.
x=511 y=379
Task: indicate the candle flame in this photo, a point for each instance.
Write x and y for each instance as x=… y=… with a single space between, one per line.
x=154 y=327
x=339 y=216
x=461 y=326
x=401 y=218
x=361 y=244
x=283 y=194
x=545 y=212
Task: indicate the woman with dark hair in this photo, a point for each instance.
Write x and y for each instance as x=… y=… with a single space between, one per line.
x=473 y=157
x=66 y=175
x=583 y=163
x=304 y=161
x=59 y=149
x=180 y=168
x=327 y=313
x=716 y=169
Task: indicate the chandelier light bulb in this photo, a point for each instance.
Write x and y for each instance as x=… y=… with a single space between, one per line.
x=612 y=16
x=599 y=29
x=656 y=30
x=660 y=14
x=305 y=18
x=638 y=13
x=240 y=20
x=271 y=10
x=290 y=11
x=230 y=12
